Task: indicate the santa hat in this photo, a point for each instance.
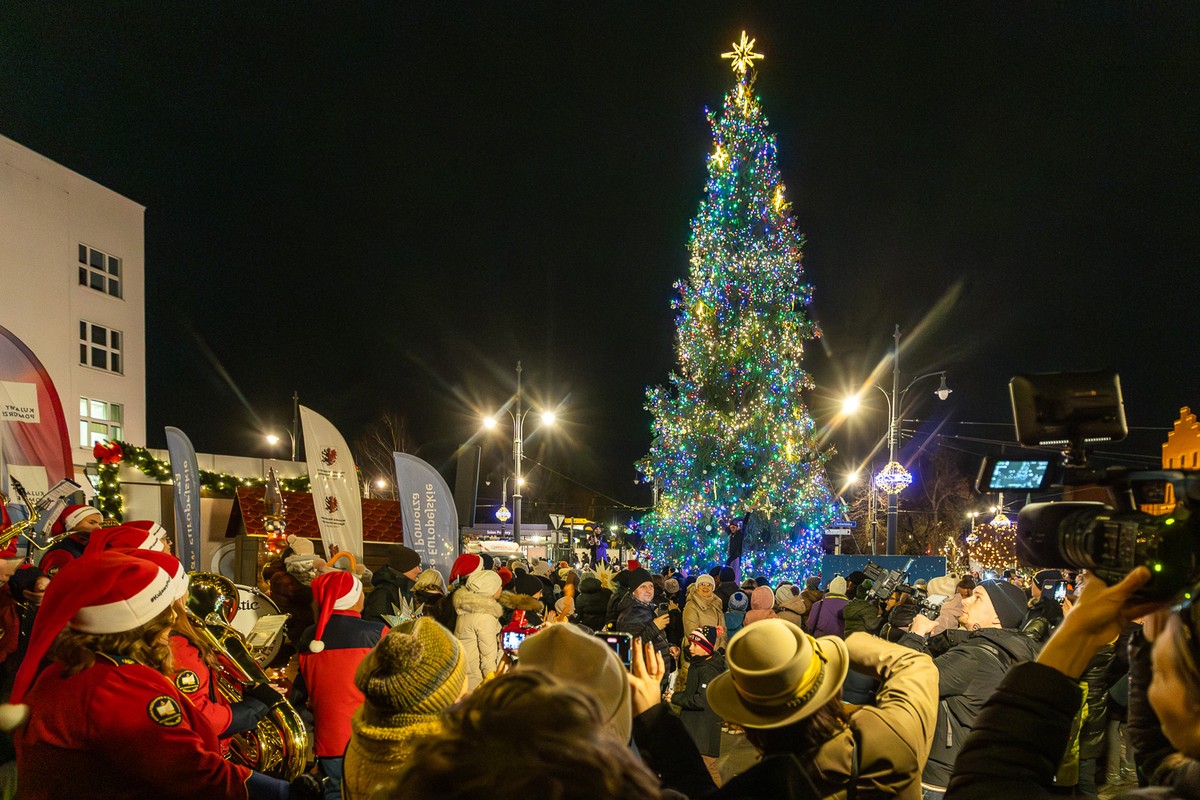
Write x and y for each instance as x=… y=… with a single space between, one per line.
x=98 y=593
x=124 y=537
x=72 y=516
x=332 y=591
x=464 y=565
x=633 y=564
x=151 y=527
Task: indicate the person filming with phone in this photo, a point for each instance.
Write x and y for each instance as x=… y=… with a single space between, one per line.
x=645 y=620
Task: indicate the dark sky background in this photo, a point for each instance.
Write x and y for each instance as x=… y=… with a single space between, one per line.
x=386 y=205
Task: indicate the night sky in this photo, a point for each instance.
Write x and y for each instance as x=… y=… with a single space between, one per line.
x=384 y=206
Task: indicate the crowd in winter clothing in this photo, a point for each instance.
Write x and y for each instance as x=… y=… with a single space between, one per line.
x=514 y=677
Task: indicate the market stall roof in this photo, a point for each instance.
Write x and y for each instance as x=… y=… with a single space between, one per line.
x=381 y=518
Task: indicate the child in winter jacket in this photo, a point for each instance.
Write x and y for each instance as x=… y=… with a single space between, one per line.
x=735 y=617
x=762 y=603
x=707 y=662
x=478 y=625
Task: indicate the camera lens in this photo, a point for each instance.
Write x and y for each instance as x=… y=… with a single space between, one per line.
x=1058 y=534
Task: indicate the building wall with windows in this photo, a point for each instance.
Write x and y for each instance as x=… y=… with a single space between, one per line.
x=72 y=288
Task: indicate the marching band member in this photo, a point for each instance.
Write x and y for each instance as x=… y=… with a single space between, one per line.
x=194 y=660
x=104 y=719
x=330 y=652
x=78 y=522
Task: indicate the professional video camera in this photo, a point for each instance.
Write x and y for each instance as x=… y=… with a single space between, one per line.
x=1151 y=518
x=885 y=582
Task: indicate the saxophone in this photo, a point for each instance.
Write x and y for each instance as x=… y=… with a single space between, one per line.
x=279 y=745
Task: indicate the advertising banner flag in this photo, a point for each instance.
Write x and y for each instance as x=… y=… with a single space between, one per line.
x=427 y=508
x=187 y=498
x=32 y=426
x=334 y=485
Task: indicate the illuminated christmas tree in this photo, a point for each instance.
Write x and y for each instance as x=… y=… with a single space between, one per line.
x=734 y=443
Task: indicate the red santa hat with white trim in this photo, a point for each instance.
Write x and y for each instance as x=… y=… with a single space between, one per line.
x=333 y=591
x=151 y=528
x=98 y=593
x=72 y=516
x=125 y=537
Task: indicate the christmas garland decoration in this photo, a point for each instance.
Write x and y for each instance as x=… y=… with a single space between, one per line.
x=110 y=455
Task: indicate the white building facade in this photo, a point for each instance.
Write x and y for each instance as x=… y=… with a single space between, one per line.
x=72 y=265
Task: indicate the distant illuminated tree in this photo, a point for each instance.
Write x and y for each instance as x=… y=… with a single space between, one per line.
x=734 y=440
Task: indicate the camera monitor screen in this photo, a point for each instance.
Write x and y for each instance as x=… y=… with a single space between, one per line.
x=1000 y=474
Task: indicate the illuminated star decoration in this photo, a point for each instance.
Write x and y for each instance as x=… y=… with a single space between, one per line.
x=720 y=156
x=743 y=56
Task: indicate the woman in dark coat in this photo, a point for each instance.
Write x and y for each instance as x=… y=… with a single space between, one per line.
x=696 y=715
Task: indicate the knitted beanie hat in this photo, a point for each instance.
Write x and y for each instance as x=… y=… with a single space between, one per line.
x=421 y=671
x=1009 y=602
x=837 y=585
x=738 y=601
x=300 y=546
x=506 y=576
x=527 y=584
x=402 y=559
x=703 y=579
x=332 y=591
x=706 y=637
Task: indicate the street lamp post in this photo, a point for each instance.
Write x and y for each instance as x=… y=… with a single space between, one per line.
x=518 y=418
x=894 y=478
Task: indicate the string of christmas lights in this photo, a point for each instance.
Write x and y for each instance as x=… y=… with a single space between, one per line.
x=212 y=484
x=732 y=432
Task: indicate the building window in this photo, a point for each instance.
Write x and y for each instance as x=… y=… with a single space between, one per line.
x=99 y=420
x=100 y=347
x=99 y=271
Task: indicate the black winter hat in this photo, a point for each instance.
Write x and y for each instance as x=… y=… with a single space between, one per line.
x=524 y=583
x=1009 y=602
x=637 y=577
x=403 y=559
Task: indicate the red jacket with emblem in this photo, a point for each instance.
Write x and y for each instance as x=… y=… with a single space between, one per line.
x=326 y=679
x=116 y=731
x=194 y=678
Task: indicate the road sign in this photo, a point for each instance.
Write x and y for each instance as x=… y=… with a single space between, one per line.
x=838 y=532
x=843 y=523
x=556 y=521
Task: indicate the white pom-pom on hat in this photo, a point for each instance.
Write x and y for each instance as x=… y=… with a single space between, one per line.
x=13 y=715
x=316 y=645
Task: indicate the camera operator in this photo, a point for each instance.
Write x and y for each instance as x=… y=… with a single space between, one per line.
x=1045 y=606
x=971 y=663
x=1022 y=732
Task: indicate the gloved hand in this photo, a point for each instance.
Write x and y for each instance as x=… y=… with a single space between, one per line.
x=263 y=693
x=306 y=787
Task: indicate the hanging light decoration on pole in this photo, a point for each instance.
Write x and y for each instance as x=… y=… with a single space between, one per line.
x=894 y=478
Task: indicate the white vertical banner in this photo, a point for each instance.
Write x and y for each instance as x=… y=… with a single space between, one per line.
x=333 y=481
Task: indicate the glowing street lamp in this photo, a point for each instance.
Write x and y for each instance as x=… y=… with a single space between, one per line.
x=894 y=478
x=518 y=421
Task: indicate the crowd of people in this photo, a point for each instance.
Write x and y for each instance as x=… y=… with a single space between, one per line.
x=514 y=678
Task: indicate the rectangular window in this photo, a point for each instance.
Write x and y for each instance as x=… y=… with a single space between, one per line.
x=99 y=271
x=100 y=347
x=99 y=420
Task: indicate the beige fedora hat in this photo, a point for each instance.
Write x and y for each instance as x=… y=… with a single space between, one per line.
x=778 y=675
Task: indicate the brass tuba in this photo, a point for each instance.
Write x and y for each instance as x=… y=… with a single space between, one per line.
x=279 y=745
